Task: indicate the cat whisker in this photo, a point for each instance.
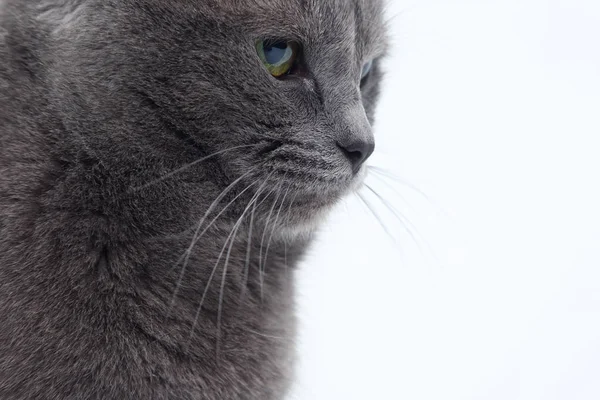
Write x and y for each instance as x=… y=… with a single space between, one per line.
x=262 y=240
x=382 y=179
x=376 y=215
x=406 y=223
x=387 y=174
x=213 y=272
x=196 y=236
x=254 y=202
x=265 y=335
x=186 y=166
x=206 y=287
x=287 y=220
x=274 y=226
x=223 y=278
x=248 y=247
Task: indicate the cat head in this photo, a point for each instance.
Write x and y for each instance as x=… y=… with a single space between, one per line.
x=281 y=91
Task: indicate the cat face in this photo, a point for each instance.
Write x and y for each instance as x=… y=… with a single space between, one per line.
x=283 y=90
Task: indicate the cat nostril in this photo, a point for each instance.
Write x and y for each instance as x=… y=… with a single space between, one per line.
x=357 y=152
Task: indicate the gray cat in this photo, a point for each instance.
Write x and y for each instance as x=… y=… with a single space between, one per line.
x=163 y=165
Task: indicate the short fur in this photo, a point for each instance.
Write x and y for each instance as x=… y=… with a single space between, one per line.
x=113 y=283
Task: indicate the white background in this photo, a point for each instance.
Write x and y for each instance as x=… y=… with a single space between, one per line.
x=492 y=109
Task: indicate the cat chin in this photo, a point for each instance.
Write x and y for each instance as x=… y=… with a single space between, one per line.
x=310 y=211
x=303 y=230
x=308 y=222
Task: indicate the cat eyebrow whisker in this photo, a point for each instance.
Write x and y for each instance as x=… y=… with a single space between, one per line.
x=186 y=166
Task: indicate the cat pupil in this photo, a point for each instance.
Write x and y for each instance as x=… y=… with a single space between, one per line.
x=276 y=52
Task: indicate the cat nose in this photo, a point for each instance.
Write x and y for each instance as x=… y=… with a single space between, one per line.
x=357 y=151
x=354 y=136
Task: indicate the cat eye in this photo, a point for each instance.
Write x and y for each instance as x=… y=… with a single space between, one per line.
x=278 y=57
x=367 y=67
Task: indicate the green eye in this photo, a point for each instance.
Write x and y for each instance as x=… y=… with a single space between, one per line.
x=277 y=56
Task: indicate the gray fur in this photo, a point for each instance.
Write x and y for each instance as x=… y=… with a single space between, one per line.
x=105 y=105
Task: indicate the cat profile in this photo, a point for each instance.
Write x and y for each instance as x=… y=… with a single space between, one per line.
x=163 y=166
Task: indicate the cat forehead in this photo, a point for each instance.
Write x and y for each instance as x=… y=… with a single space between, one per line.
x=360 y=20
x=296 y=7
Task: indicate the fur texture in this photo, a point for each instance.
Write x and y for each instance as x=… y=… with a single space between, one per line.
x=158 y=186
